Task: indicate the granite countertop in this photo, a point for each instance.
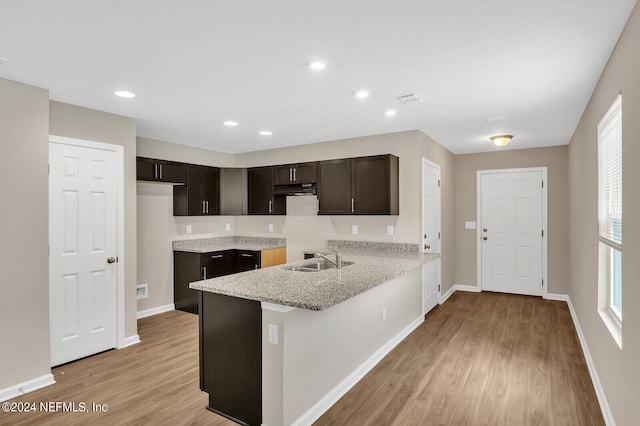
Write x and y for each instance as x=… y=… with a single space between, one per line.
x=321 y=290
x=206 y=245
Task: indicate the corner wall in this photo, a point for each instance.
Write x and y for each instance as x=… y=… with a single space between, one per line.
x=88 y=124
x=617 y=368
x=24 y=214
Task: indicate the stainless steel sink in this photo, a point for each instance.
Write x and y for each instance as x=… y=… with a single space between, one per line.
x=315 y=266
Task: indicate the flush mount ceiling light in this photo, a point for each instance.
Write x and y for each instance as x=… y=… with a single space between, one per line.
x=411 y=98
x=265 y=132
x=501 y=140
x=230 y=123
x=390 y=112
x=125 y=94
x=317 y=65
x=361 y=94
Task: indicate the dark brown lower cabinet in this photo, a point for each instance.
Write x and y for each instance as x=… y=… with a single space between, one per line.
x=231 y=356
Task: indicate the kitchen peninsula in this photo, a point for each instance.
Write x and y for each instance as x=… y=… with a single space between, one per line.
x=280 y=346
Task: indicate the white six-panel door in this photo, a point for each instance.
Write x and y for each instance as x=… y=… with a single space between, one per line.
x=82 y=239
x=430 y=233
x=511 y=232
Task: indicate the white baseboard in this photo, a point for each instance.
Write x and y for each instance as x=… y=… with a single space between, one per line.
x=556 y=296
x=155 y=311
x=597 y=385
x=130 y=341
x=471 y=288
x=320 y=407
x=444 y=297
x=26 y=387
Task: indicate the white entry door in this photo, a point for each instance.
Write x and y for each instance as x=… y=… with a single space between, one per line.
x=511 y=232
x=82 y=252
x=430 y=233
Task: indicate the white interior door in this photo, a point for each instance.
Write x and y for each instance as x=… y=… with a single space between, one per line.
x=511 y=232
x=82 y=259
x=430 y=233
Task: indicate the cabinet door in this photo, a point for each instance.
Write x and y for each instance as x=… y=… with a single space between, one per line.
x=233 y=191
x=284 y=174
x=260 y=181
x=146 y=169
x=305 y=173
x=217 y=264
x=247 y=260
x=186 y=269
x=172 y=172
x=195 y=202
x=210 y=190
x=160 y=171
x=372 y=180
x=334 y=191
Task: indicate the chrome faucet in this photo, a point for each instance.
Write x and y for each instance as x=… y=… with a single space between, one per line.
x=337 y=262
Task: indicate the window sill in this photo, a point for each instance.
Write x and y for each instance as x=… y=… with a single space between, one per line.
x=614 y=326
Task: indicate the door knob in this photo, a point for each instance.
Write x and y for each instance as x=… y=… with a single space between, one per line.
x=425 y=236
x=112 y=259
x=484 y=230
x=484 y=238
x=427 y=246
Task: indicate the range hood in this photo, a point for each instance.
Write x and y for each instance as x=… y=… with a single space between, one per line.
x=296 y=189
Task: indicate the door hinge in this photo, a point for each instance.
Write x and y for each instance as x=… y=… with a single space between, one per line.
x=438 y=287
x=438 y=183
x=543 y=233
x=542 y=283
x=438 y=235
x=543 y=184
x=48 y=169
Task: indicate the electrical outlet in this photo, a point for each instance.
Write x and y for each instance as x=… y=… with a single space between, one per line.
x=188 y=229
x=273 y=334
x=354 y=229
x=389 y=229
x=142 y=291
x=227 y=226
x=271 y=227
x=384 y=313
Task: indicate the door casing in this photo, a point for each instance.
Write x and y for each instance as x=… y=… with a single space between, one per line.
x=543 y=171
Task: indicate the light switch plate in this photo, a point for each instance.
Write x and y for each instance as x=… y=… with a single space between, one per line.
x=389 y=229
x=273 y=334
x=271 y=227
x=354 y=229
x=470 y=225
x=188 y=229
x=227 y=226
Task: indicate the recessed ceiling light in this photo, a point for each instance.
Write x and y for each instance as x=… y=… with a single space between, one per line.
x=390 y=112
x=265 y=132
x=230 y=123
x=317 y=65
x=125 y=94
x=361 y=94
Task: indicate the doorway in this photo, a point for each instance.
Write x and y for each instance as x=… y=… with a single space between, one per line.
x=430 y=233
x=512 y=223
x=86 y=272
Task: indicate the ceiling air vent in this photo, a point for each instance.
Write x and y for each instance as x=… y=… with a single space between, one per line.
x=411 y=99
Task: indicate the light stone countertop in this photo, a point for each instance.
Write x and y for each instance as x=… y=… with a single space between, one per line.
x=319 y=290
x=206 y=245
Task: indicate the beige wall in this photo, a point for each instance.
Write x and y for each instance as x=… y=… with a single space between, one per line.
x=83 y=123
x=617 y=368
x=302 y=228
x=24 y=214
x=555 y=159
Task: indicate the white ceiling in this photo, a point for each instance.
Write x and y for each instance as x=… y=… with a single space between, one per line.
x=196 y=63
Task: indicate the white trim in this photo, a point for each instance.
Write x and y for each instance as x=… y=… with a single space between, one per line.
x=320 y=407
x=276 y=308
x=469 y=288
x=444 y=297
x=545 y=226
x=26 y=387
x=130 y=341
x=155 y=311
x=602 y=398
x=556 y=296
x=120 y=285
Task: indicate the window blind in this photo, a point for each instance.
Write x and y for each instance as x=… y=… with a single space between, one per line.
x=610 y=176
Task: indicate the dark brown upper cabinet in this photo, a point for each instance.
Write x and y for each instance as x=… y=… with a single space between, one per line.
x=261 y=199
x=359 y=186
x=233 y=191
x=300 y=173
x=201 y=195
x=151 y=170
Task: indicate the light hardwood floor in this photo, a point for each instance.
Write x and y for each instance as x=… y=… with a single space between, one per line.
x=487 y=358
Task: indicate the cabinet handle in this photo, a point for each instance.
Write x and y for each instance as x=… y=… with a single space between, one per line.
x=270 y=206
x=207 y=206
x=203 y=207
x=256 y=266
x=155 y=171
x=295 y=175
x=246 y=255
x=290 y=174
x=352 y=205
x=204 y=272
x=160 y=171
x=217 y=256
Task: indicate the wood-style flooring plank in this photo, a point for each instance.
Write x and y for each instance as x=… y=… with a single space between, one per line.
x=479 y=359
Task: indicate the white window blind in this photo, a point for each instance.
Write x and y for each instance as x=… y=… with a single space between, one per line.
x=610 y=176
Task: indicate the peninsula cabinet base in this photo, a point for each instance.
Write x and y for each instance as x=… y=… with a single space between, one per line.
x=231 y=356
